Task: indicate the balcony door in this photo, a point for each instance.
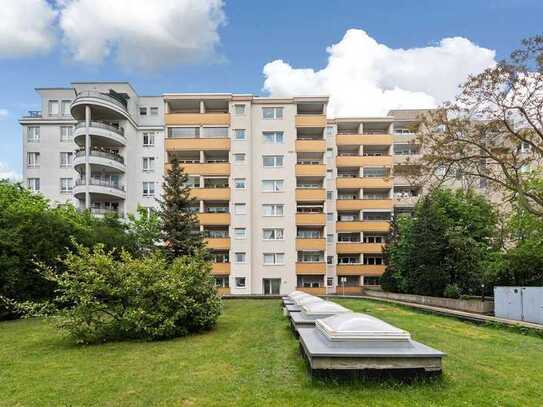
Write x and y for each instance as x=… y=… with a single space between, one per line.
x=272 y=286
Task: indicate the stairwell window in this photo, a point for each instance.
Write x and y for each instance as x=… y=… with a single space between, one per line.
x=240 y=209
x=273 y=209
x=148 y=164
x=273 y=137
x=148 y=139
x=274 y=259
x=66 y=185
x=239 y=157
x=240 y=233
x=66 y=159
x=239 y=134
x=272 y=112
x=239 y=109
x=272 y=161
x=240 y=258
x=33 y=134
x=33 y=184
x=273 y=234
x=272 y=185
x=32 y=159
x=148 y=189
x=66 y=134
x=240 y=183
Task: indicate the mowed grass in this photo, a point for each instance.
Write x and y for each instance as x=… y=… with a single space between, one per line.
x=252 y=358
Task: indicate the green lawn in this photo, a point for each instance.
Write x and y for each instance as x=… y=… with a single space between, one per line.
x=252 y=358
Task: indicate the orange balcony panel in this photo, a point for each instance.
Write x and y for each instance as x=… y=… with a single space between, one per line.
x=358 y=204
x=346 y=247
x=310 y=218
x=214 y=218
x=312 y=290
x=311 y=268
x=363 y=226
x=367 y=182
x=310 y=244
x=310 y=194
x=220 y=268
x=206 y=169
x=368 y=139
x=349 y=269
x=348 y=290
x=223 y=291
x=197 y=119
x=310 y=170
x=218 y=243
x=375 y=270
x=211 y=194
x=191 y=144
x=364 y=161
x=312 y=146
x=310 y=120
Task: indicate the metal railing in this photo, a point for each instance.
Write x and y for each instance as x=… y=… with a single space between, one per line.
x=104 y=211
x=34 y=113
x=119 y=131
x=102 y=96
x=103 y=154
x=100 y=182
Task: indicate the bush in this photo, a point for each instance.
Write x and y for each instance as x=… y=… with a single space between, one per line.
x=103 y=299
x=452 y=291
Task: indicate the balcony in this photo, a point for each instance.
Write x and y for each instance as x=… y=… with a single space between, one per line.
x=358 y=204
x=373 y=270
x=197 y=119
x=348 y=290
x=310 y=244
x=359 y=247
x=310 y=194
x=210 y=194
x=196 y=144
x=214 y=218
x=366 y=139
x=310 y=170
x=310 y=120
x=218 y=243
x=204 y=168
x=220 y=268
x=223 y=291
x=363 y=226
x=310 y=218
x=100 y=187
x=312 y=290
x=364 y=182
x=311 y=268
x=310 y=146
x=104 y=106
x=364 y=161
x=355 y=269
x=100 y=132
x=100 y=158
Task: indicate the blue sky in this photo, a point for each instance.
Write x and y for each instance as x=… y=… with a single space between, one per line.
x=258 y=32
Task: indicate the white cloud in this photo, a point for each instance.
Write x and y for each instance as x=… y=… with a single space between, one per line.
x=142 y=34
x=3 y=114
x=7 y=173
x=27 y=27
x=364 y=77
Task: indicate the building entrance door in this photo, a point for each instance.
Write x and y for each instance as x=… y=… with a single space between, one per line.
x=272 y=286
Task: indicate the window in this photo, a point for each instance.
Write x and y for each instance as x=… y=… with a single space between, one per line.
x=240 y=233
x=272 y=185
x=32 y=159
x=66 y=134
x=370 y=238
x=272 y=161
x=66 y=185
x=240 y=257
x=373 y=260
x=272 y=112
x=66 y=159
x=329 y=259
x=143 y=111
x=239 y=134
x=33 y=134
x=330 y=281
x=240 y=183
x=310 y=257
x=53 y=107
x=376 y=216
x=239 y=157
x=239 y=109
x=154 y=111
x=33 y=184
x=330 y=238
x=240 y=282
x=273 y=234
x=330 y=216
x=375 y=172
x=193 y=181
x=183 y=132
x=329 y=153
x=215 y=132
x=66 y=107
x=274 y=258
x=148 y=139
x=351 y=259
x=329 y=174
x=273 y=137
x=148 y=188
x=221 y=282
x=329 y=131
x=329 y=195
x=148 y=164
x=240 y=209
x=273 y=209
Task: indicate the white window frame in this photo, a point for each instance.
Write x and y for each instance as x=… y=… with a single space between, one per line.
x=63 y=104
x=69 y=155
x=148 y=164
x=153 y=111
x=273 y=185
x=33 y=134
x=275 y=137
x=240 y=181
x=148 y=188
x=238 y=280
x=35 y=163
x=143 y=111
x=242 y=233
x=240 y=208
x=240 y=132
x=50 y=107
x=276 y=159
x=66 y=185
x=239 y=109
x=274 y=210
x=150 y=135
x=275 y=232
x=243 y=255
x=278 y=259
x=68 y=137
x=235 y=157
x=276 y=112
x=33 y=184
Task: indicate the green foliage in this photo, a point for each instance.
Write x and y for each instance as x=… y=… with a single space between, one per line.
x=179 y=224
x=144 y=230
x=103 y=298
x=452 y=291
x=445 y=244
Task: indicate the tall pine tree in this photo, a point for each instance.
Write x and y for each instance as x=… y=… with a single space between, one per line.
x=180 y=227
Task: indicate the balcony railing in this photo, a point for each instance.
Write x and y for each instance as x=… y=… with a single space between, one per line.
x=34 y=114
x=119 y=131
x=104 y=211
x=102 y=96
x=103 y=154
x=100 y=182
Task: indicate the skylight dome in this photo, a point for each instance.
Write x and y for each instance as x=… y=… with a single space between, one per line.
x=307 y=300
x=323 y=308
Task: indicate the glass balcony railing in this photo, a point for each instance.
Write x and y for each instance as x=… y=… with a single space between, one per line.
x=100 y=182
x=103 y=96
x=100 y=153
x=119 y=131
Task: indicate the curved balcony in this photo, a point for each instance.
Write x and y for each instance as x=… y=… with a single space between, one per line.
x=101 y=134
x=100 y=188
x=99 y=158
x=103 y=106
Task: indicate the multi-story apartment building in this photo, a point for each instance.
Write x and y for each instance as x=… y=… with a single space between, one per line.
x=286 y=198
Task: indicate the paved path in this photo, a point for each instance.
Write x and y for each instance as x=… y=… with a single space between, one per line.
x=469 y=316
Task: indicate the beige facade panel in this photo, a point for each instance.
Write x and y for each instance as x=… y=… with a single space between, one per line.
x=310 y=244
x=364 y=161
x=310 y=194
x=310 y=218
x=210 y=194
x=214 y=218
x=218 y=243
x=363 y=226
x=196 y=144
x=366 y=182
x=369 y=139
x=311 y=268
x=311 y=146
x=197 y=119
x=220 y=269
x=310 y=120
x=358 y=204
x=310 y=170
x=359 y=248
